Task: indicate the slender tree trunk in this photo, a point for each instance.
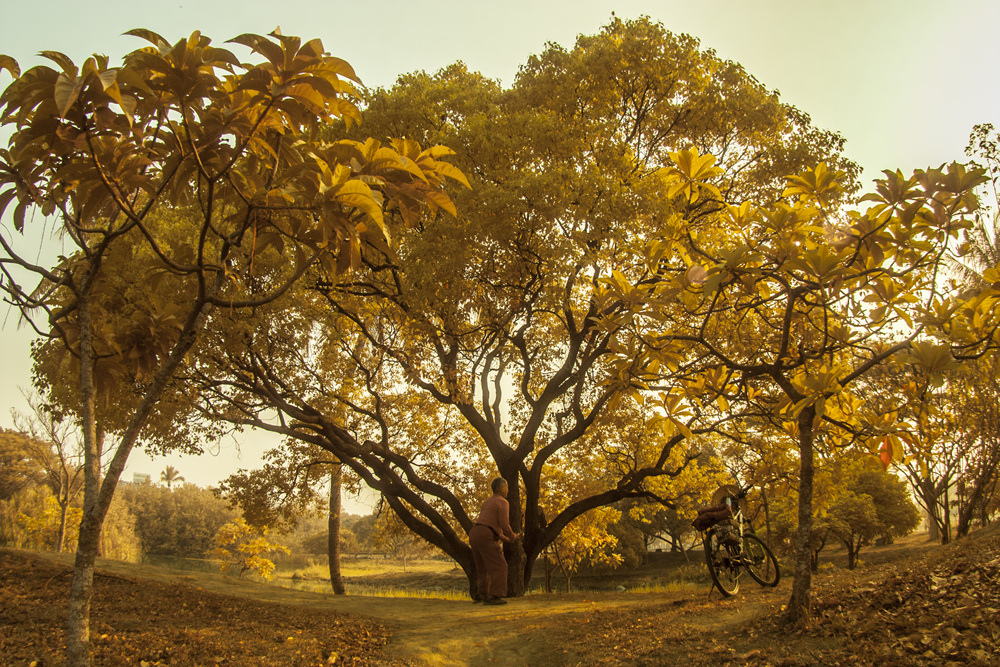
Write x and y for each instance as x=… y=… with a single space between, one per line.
x=98 y=493
x=815 y=555
x=767 y=514
x=333 y=540
x=63 y=511
x=799 y=604
x=567 y=574
x=548 y=573
x=852 y=554
x=81 y=590
x=947 y=518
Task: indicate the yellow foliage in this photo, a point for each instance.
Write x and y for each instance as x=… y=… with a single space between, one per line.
x=243 y=549
x=586 y=541
x=42 y=528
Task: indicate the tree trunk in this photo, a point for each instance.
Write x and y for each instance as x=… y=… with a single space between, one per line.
x=81 y=590
x=946 y=538
x=852 y=554
x=98 y=493
x=814 y=565
x=567 y=574
x=799 y=604
x=965 y=511
x=518 y=571
x=333 y=539
x=518 y=567
x=933 y=530
x=61 y=536
x=767 y=514
x=928 y=492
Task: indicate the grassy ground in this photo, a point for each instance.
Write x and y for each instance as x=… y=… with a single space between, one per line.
x=912 y=603
x=382 y=577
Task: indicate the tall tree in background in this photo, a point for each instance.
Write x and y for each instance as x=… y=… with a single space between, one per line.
x=869 y=503
x=982 y=248
x=491 y=342
x=955 y=445
x=19 y=474
x=977 y=398
x=288 y=485
x=291 y=484
x=18 y=469
x=933 y=462
x=182 y=181
x=170 y=475
x=54 y=444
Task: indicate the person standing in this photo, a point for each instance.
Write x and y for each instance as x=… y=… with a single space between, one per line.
x=492 y=527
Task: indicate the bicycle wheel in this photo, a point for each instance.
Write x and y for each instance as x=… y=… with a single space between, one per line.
x=723 y=569
x=759 y=561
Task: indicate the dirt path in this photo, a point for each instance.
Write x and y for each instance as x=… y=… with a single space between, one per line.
x=533 y=630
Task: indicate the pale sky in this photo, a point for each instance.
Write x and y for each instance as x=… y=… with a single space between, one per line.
x=903 y=80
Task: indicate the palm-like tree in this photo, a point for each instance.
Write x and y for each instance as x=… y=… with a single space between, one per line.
x=170 y=475
x=982 y=247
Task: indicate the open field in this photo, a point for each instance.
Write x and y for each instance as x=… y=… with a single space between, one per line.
x=910 y=603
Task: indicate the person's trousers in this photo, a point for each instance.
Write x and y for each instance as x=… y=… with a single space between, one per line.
x=491 y=568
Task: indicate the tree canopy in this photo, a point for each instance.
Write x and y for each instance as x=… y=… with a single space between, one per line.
x=491 y=342
x=648 y=256
x=183 y=181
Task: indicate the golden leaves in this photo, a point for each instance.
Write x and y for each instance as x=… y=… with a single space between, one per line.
x=690 y=176
x=177 y=117
x=9 y=64
x=819 y=185
x=934 y=357
x=242 y=549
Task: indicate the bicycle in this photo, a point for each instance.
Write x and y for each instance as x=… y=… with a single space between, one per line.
x=731 y=546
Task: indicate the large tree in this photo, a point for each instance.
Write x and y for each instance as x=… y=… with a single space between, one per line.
x=18 y=467
x=491 y=341
x=869 y=503
x=780 y=310
x=183 y=181
x=54 y=444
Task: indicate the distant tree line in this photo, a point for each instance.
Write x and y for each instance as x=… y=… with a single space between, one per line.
x=167 y=519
